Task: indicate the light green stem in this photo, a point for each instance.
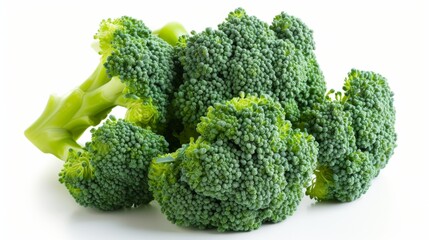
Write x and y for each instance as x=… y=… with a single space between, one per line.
x=65 y=119
x=171 y=32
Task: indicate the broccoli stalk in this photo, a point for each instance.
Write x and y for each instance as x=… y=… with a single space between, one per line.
x=65 y=119
x=171 y=32
x=136 y=71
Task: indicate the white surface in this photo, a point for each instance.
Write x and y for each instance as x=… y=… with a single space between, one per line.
x=45 y=48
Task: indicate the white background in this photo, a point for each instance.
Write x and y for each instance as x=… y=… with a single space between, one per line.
x=45 y=48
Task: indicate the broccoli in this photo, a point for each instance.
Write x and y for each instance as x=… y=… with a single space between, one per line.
x=247 y=167
x=369 y=100
x=247 y=55
x=226 y=128
x=294 y=30
x=356 y=136
x=343 y=173
x=136 y=71
x=110 y=171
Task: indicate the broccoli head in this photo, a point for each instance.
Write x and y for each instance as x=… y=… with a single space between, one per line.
x=369 y=100
x=247 y=167
x=245 y=54
x=356 y=136
x=292 y=29
x=136 y=71
x=343 y=172
x=110 y=172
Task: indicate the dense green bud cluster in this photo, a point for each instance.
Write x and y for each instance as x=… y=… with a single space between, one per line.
x=295 y=31
x=289 y=27
x=249 y=166
x=356 y=136
x=332 y=128
x=370 y=103
x=343 y=173
x=247 y=55
x=343 y=180
x=110 y=172
x=144 y=63
x=110 y=29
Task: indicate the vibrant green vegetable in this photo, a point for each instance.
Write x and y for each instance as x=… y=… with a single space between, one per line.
x=344 y=173
x=249 y=102
x=246 y=55
x=356 y=137
x=369 y=100
x=110 y=172
x=249 y=166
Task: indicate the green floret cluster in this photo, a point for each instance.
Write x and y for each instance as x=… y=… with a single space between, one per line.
x=248 y=166
x=369 y=100
x=227 y=128
x=356 y=136
x=343 y=172
x=110 y=172
x=247 y=55
x=290 y=28
x=144 y=63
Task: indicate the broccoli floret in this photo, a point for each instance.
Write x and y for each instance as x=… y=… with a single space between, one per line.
x=247 y=55
x=136 y=71
x=110 y=172
x=356 y=136
x=332 y=128
x=343 y=180
x=369 y=100
x=247 y=167
x=343 y=172
x=294 y=30
x=289 y=27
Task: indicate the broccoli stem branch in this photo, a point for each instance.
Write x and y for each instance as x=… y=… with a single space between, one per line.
x=65 y=118
x=171 y=32
x=47 y=132
x=97 y=78
x=95 y=105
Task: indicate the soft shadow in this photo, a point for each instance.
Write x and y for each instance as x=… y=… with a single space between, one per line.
x=147 y=218
x=326 y=205
x=150 y=218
